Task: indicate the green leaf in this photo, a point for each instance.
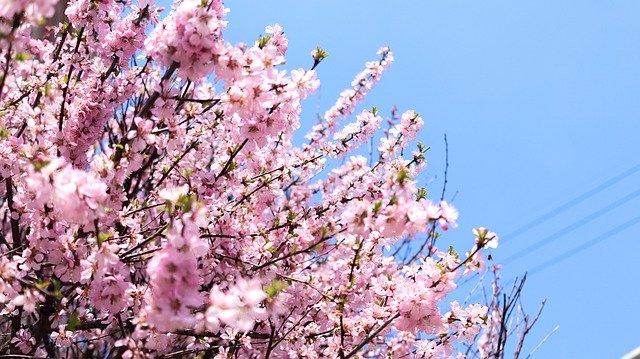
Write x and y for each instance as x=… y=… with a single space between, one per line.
x=57 y=286
x=22 y=56
x=275 y=287
x=185 y=202
x=42 y=285
x=320 y=53
x=323 y=231
x=453 y=252
x=263 y=40
x=103 y=237
x=393 y=200
x=403 y=175
x=73 y=321
x=39 y=164
x=422 y=193
x=377 y=206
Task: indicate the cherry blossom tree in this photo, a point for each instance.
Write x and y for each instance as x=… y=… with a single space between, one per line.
x=154 y=204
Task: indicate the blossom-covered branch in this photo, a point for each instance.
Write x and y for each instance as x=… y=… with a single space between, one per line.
x=154 y=203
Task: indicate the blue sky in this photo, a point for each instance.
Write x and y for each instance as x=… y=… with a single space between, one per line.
x=540 y=101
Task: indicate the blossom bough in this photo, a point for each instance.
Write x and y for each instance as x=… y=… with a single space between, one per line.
x=154 y=203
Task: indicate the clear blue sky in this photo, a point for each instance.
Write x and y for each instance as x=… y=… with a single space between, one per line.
x=540 y=101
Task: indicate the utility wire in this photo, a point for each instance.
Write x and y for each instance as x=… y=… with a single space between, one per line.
x=581 y=198
x=575 y=225
x=570 y=253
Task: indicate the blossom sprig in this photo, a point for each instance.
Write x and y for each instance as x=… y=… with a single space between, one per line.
x=350 y=98
x=485 y=238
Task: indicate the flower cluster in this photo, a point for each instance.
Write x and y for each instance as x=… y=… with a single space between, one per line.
x=74 y=195
x=190 y=36
x=32 y=9
x=240 y=307
x=350 y=98
x=153 y=202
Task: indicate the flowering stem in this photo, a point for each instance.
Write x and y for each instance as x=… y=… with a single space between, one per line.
x=227 y=165
x=65 y=91
x=371 y=336
x=126 y=254
x=446 y=166
x=17 y=19
x=146 y=109
x=193 y=145
x=15 y=226
x=320 y=241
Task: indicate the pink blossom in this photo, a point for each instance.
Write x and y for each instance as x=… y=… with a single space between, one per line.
x=485 y=238
x=62 y=337
x=33 y=8
x=28 y=300
x=24 y=341
x=174 y=283
x=448 y=216
x=240 y=306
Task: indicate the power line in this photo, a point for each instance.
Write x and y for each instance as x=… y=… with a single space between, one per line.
x=575 y=225
x=581 y=198
x=570 y=253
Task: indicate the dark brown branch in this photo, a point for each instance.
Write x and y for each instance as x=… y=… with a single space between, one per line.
x=309 y=248
x=17 y=20
x=15 y=225
x=371 y=336
x=193 y=145
x=146 y=109
x=446 y=167
x=233 y=155
x=128 y=252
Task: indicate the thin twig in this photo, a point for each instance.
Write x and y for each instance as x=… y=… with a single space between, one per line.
x=446 y=167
